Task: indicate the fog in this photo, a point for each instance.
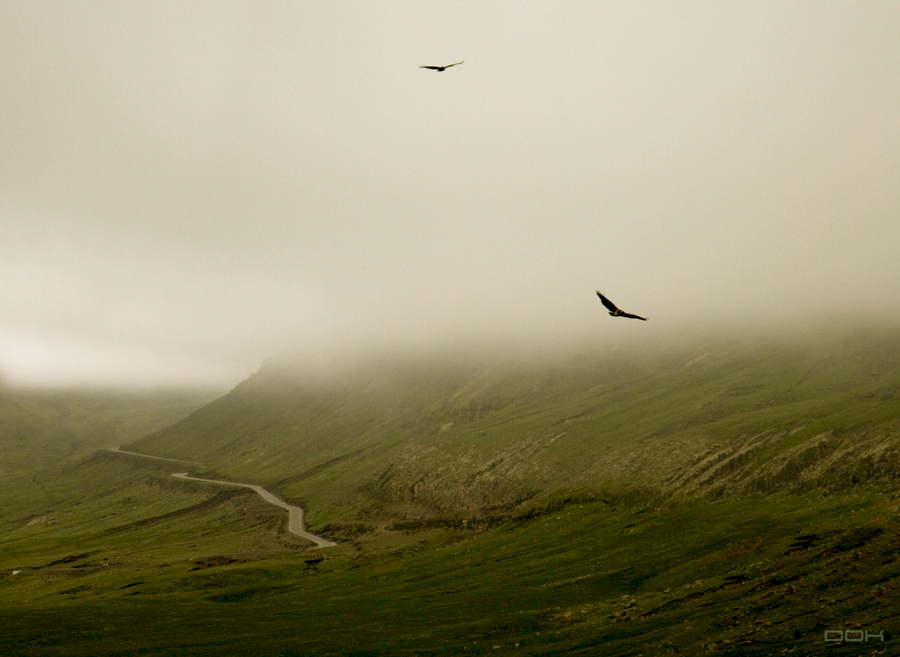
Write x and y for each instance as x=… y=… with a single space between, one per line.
x=187 y=188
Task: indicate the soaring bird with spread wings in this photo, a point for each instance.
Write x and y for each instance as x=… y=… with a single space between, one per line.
x=615 y=312
x=441 y=68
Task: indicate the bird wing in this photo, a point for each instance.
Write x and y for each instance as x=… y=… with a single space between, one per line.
x=606 y=302
x=441 y=68
x=632 y=316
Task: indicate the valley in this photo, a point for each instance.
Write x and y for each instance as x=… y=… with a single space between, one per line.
x=718 y=496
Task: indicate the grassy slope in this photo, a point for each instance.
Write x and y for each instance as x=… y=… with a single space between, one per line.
x=698 y=547
x=698 y=421
x=53 y=486
x=728 y=578
x=40 y=428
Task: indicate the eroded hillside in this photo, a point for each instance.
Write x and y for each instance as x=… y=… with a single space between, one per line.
x=449 y=434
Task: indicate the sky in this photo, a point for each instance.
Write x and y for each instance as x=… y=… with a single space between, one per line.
x=190 y=187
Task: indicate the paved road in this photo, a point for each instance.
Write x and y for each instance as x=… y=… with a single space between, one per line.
x=295 y=513
x=147 y=456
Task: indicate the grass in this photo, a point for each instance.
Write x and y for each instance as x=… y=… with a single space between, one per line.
x=730 y=498
x=457 y=436
x=736 y=576
x=134 y=513
x=41 y=428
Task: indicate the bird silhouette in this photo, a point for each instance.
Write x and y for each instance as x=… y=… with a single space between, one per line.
x=615 y=312
x=441 y=68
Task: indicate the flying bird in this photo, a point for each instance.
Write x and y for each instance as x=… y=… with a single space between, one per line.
x=441 y=68
x=615 y=312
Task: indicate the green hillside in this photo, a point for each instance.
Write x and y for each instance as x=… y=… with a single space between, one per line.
x=726 y=496
x=39 y=428
x=50 y=489
x=449 y=434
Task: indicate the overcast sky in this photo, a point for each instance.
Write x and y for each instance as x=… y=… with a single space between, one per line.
x=187 y=188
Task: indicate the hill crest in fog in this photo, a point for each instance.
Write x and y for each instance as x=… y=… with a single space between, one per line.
x=448 y=434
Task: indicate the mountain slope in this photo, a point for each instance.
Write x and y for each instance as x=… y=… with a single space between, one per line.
x=448 y=434
x=730 y=497
x=39 y=428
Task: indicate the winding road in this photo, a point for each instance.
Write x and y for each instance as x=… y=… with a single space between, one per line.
x=295 y=513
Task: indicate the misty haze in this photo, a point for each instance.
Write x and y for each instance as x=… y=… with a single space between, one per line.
x=317 y=328
x=187 y=190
